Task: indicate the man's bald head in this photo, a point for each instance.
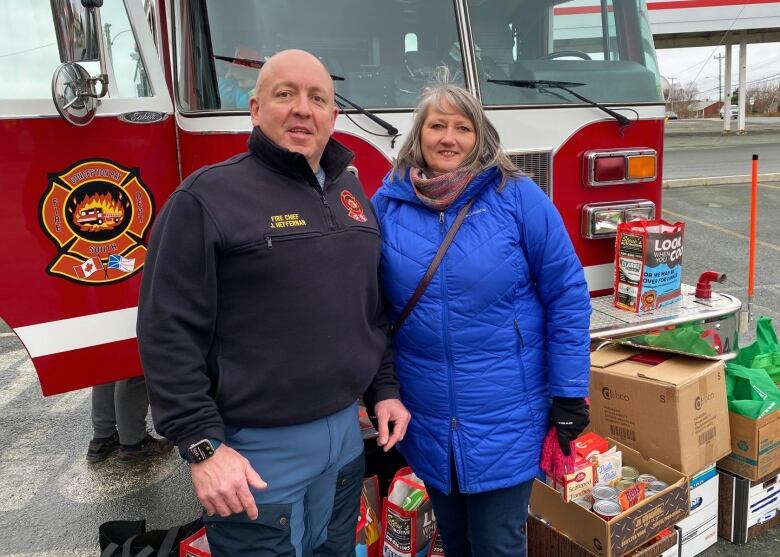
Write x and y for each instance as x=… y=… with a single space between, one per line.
x=294 y=104
x=293 y=57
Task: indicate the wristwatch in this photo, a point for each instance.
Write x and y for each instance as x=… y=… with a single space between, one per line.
x=202 y=450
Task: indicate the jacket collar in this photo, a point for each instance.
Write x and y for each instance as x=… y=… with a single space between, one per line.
x=334 y=161
x=400 y=187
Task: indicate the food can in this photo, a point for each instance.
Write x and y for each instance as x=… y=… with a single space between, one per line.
x=624 y=484
x=647 y=478
x=584 y=503
x=657 y=485
x=605 y=492
x=629 y=473
x=607 y=509
x=649 y=493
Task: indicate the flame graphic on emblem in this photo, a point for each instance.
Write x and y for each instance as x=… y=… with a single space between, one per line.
x=98 y=212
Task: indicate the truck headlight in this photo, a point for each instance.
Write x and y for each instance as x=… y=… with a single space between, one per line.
x=601 y=220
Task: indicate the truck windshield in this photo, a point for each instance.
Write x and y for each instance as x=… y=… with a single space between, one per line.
x=386 y=50
x=606 y=45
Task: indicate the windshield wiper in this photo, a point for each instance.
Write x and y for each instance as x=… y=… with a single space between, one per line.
x=542 y=84
x=389 y=128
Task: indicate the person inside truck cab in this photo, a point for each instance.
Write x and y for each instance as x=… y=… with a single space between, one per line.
x=260 y=324
x=237 y=84
x=496 y=348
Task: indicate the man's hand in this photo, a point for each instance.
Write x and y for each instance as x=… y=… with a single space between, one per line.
x=390 y=411
x=222 y=483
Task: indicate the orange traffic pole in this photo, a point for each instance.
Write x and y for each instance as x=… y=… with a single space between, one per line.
x=752 y=253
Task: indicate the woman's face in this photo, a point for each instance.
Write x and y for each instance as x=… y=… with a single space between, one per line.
x=447 y=138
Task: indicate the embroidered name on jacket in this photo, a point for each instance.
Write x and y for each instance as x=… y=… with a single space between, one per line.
x=291 y=220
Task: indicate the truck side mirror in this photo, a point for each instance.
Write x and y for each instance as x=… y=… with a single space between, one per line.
x=72 y=89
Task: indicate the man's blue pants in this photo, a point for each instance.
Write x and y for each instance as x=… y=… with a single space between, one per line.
x=314 y=473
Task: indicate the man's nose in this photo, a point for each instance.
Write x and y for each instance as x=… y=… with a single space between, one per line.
x=302 y=106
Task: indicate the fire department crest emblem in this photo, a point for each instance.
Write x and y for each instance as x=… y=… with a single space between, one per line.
x=96 y=212
x=353 y=206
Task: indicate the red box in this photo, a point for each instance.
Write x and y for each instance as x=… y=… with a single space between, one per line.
x=590 y=443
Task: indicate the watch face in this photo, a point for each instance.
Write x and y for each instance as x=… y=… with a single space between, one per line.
x=201 y=450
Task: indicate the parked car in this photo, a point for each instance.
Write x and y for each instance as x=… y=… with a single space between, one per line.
x=733 y=109
x=670 y=115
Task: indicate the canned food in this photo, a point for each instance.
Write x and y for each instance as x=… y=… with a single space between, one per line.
x=629 y=473
x=649 y=493
x=604 y=492
x=584 y=503
x=657 y=485
x=624 y=484
x=647 y=478
x=607 y=509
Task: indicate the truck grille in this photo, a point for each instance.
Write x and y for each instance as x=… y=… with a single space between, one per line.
x=536 y=165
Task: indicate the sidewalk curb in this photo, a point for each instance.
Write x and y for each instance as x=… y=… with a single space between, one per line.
x=718 y=180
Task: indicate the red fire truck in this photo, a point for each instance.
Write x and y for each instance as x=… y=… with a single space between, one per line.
x=123 y=99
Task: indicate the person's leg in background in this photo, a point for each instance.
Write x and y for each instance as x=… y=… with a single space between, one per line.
x=452 y=518
x=497 y=521
x=131 y=404
x=105 y=438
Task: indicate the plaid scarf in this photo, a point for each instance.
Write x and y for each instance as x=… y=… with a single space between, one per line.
x=441 y=191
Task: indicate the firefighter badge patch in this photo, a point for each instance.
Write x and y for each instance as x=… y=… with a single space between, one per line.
x=353 y=206
x=96 y=212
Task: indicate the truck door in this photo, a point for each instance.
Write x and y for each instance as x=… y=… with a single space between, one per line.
x=78 y=200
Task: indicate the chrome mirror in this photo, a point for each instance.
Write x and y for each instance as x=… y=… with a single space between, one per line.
x=73 y=91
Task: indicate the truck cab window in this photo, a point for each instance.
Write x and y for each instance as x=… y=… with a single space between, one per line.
x=28 y=50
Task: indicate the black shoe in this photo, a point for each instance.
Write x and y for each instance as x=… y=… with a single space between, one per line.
x=101 y=449
x=149 y=447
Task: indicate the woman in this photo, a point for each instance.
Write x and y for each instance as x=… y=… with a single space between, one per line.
x=497 y=346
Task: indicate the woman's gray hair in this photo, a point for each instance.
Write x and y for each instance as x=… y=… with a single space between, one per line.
x=487 y=150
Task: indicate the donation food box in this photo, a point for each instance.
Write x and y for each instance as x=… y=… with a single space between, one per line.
x=755 y=446
x=669 y=407
x=629 y=529
x=699 y=530
x=648 y=269
x=747 y=508
x=546 y=541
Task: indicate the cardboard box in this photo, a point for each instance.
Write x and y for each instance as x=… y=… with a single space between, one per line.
x=545 y=541
x=632 y=527
x=669 y=407
x=755 y=446
x=699 y=530
x=747 y=508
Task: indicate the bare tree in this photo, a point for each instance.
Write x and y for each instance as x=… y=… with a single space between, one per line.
x=765 y=97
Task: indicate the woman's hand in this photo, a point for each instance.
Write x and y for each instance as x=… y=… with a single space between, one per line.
x=570 y=416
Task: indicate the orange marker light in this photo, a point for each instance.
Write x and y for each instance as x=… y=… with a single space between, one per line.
x=640 y=167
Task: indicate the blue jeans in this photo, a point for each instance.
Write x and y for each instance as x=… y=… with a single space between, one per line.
x=489 y=524
x=314 y=473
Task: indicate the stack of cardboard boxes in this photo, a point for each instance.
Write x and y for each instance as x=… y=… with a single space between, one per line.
x=672 y=411
x=750 y=478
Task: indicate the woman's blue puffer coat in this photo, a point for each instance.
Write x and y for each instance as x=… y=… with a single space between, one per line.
x=502 y=327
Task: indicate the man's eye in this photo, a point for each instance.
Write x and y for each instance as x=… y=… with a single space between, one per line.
x=283 y=94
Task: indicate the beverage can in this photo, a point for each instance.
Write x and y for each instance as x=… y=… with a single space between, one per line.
x=657 y=485
x=584 y=503
x=607 y=509
x=604 y=492
x=629 y=473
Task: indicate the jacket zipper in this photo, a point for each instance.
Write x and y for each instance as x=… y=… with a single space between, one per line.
x=448 y=353
x=326 y=206
x=519 y=335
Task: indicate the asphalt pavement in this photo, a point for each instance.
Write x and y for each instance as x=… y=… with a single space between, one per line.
x=51 y=501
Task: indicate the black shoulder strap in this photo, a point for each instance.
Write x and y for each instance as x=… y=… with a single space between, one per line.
x=432 y=267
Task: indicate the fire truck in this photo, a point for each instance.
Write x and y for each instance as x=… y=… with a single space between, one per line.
x=123 y=99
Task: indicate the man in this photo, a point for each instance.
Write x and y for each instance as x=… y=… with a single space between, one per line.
x=260 y=323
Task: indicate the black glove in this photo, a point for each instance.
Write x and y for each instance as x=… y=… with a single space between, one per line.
x=570 y=416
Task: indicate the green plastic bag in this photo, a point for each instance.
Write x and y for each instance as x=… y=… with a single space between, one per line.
x=686 y=338
x=751 y=376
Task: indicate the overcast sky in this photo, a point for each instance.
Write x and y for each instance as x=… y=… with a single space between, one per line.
x=699 y=65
